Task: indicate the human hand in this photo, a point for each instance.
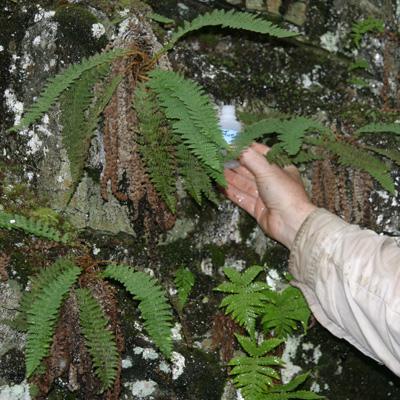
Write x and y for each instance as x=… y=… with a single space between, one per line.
x=274 y=196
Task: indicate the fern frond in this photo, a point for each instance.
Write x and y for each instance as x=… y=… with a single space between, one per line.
x=194 y=118
x=246 y=299
x=153 y=305
x=283 y=311
x=350 y=156
x=229 y=19
x=42 y=314
x=255 y=374
x=56 y=85
x=32 y=226
x=360 y=28
x=99 y=340
x=184 y=281
x=290 y=133
x=156 y=145
x=196 y=180
x=75 y=102
x=289 y=390
x=379 y=128
x=391 y=154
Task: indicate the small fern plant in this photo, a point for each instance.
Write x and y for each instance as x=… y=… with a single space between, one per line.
x=252 y=304
x=184 y=282
x=51 y=287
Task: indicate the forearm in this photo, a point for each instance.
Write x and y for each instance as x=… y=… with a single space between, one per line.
x=351 y=279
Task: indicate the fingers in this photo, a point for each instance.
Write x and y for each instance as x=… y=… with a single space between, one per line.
x=256 y=162
x=260 y=148
x=242 y=182
x=242 y=199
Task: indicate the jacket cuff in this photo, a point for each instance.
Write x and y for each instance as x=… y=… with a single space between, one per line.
x=318 y=230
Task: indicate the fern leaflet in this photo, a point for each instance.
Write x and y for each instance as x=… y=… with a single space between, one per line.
x=254 y=374
x=194 y=118
x=228 y=19
x=379 y=128
x=98 y=338
x=290 y=133
x=196 y=180
x=156 y=146
x=351 y=156
x=56 y=85
x=32 y=226
x=153 y=305
x=391 y=154
x=283 y=311
x=42 y=314
x=360 y=28
x=246 y=299
x=184 y=281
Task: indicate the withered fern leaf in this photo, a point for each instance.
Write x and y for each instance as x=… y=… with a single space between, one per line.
x=99 y=340
x=32 y=226
x=156 y=145
x=55 y=86
x=43 y=312
x=153 y=305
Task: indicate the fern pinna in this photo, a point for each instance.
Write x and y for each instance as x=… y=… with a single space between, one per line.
x=153 y=305
x=184 y=281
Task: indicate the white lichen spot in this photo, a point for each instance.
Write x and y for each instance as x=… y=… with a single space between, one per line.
x=15 y=392
x=306 y=81
x=315 y=387
x=126 y=363
x=95 y=250
x=317 y=354
x=30 y=175
x=124 y=12
x=178 y=364
x=149 y=354
x=329 y=41
x=273 y=279
x=142 y=389
x=290 y=369
x=238 y=265
x=1 y=48
x=37 y=40
x=239 y=395
x=176 y=332
x=164 y=367
x=98 y=30
x=206 y=266
x=12 y=221
x=149 y=271
x=172 y=291
x=42 y=15
x=13 y=105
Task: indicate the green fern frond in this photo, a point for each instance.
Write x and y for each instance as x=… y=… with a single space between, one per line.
x=194 y=118
x=153 y=305
x=56 y=86
x=289 y=390
x=379 y=128
x=32 y=226
x=42 y=314
x=75 y=102
x=156 y=146
x=350 y=156
x=391 y=154
x=283 y=311
x=99 y=340
x=255 y=374
x=360 y=28
x=290 y=133
x=229 y=19
x=161 y=19
x=246 y=299
x=184 y=281
x=196 y=180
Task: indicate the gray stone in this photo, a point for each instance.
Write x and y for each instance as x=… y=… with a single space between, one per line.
x=255 y=5
x=296 y=13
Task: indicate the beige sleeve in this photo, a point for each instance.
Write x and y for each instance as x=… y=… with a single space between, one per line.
x=351 y=280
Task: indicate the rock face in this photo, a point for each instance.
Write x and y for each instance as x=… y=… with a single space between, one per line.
x=308 y=75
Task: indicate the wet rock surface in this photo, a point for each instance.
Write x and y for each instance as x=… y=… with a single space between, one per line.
x=307 y=75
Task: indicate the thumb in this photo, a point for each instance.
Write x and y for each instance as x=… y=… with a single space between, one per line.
x=258 y=164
